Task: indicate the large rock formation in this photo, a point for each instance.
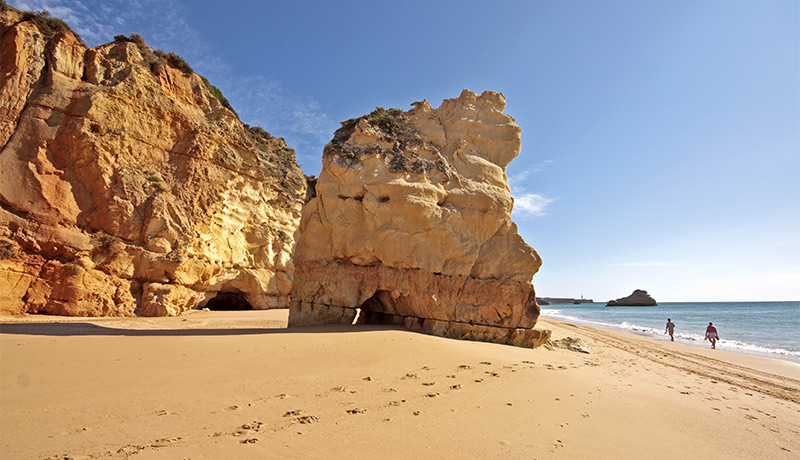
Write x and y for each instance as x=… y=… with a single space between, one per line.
x=638 y=298
x=126 y=187
x=411 y=225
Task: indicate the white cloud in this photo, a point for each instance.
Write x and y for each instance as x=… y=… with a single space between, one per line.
x=527 y=204
x=531 y=205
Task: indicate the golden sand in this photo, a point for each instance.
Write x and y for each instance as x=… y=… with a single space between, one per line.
x=238 y=385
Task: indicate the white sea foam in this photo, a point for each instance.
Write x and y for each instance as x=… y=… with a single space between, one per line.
x=693 y=339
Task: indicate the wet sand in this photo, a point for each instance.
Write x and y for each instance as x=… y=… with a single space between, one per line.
x=234 y=385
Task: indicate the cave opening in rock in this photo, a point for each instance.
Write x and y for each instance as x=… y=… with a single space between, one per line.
x=374 y=310
x=229 y=301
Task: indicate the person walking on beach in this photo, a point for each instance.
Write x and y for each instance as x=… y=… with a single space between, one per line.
x=711 y=335
x=671 y=329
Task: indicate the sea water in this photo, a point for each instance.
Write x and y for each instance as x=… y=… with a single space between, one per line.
x=770 y=329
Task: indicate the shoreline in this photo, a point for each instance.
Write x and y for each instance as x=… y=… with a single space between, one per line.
x=693 y=340
x=239 y=385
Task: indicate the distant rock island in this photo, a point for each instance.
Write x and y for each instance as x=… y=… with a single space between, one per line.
x=639 y=298
x=561 y=300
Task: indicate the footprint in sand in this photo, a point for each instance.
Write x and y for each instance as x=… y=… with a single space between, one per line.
x=303 y=419
x=486 y=363
x=465 y=367
x=356 y=411
x=455 y=387
x=431 y=395
x=428 y=384
x=249 y=441
x=367 y=379
x=409 y=376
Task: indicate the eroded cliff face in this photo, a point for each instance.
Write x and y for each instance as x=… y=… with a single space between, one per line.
x=411 y=225
x=126 y=188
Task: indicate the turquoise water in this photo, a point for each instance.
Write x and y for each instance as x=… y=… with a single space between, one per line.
x=769 y=329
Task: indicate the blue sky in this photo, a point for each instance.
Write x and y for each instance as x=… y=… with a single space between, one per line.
x=660 y=140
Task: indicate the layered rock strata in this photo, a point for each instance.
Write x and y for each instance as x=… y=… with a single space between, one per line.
x=127 y=188
x=411 y=225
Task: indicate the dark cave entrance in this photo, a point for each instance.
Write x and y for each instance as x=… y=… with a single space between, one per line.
x=229 y=301
x=374 y=310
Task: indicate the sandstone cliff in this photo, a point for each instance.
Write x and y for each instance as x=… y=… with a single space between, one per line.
x=638 y=298
x=126 y=188
x=411 y=225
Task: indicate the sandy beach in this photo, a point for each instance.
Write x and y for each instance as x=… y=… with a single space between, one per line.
x=236 y=385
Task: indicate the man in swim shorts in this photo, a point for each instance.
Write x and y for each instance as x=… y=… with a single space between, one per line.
x=711 y=335
x=670 y=328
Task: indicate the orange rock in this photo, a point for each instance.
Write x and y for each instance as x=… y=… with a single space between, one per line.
x=120 y=173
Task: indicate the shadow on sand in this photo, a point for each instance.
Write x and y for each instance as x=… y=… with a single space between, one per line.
x=88 y=329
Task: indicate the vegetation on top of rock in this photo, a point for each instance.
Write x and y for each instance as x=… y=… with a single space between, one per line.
x=218 y=95
x=47 y=24
x=257 y=133
x=393 y=123
x=135 y=39
x=394 y=126
x=156 y=57
x=278 y=160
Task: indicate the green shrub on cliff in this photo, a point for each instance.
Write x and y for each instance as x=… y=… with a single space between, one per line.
x=156 y=57
x=47 y=24
x=394 y=126
x=218 y=96
x=137 y=40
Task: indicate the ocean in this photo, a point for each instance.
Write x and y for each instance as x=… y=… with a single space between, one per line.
x=770 y=329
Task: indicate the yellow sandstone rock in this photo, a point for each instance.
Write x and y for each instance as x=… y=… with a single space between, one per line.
x=127 y=188
x=411 y=225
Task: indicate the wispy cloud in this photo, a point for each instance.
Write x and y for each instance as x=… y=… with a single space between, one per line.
x=527 y=204
x=518 y=179
x=297 y=119
x=258 y=99
x=647 y=264
x=531 y=205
